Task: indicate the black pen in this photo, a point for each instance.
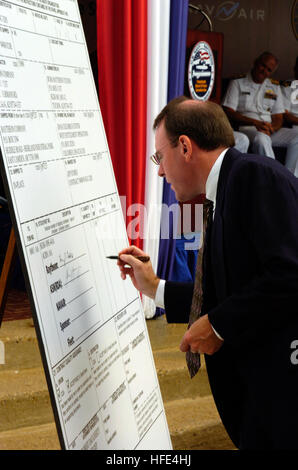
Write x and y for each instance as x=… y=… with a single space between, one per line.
x=144 y=259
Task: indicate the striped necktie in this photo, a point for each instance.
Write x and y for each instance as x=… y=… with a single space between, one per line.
x=193 y=359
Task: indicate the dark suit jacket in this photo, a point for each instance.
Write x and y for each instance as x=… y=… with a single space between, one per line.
x=251 y=296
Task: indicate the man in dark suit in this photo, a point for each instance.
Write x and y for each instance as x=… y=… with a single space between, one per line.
x=249 y=319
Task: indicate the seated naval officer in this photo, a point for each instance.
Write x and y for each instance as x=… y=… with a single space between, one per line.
x=255 y=105
x=289 y=90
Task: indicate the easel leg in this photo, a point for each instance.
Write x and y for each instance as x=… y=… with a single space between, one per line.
x=7 y=268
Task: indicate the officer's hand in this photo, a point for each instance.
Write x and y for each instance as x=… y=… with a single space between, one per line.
x=270 y=127
x=142 y=275
x=264 y=127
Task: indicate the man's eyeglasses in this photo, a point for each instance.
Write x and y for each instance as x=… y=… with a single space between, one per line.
x=156 y=158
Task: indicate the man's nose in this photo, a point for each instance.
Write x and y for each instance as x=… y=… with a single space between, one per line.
x=262 y=69
x=161 y=170
x=267 y=72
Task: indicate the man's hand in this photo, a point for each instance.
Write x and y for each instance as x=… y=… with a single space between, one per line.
x=265 y=127
x=142 y=275
x=200 y=337
x=241 y=120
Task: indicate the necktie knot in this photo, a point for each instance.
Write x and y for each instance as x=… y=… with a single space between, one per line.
x=207 y=213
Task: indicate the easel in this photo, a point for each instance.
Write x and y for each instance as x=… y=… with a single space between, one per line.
x=6 y=272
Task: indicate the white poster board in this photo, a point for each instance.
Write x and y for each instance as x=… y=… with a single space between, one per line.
x=67 y=217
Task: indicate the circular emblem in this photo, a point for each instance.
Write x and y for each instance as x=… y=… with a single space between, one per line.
x=201 y=71
x=295 y=18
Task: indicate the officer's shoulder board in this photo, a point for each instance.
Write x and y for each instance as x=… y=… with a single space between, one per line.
x=286 y=83
x=235 y=76
x=275 y=82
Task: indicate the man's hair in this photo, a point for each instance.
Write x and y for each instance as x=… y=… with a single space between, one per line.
x=267 y=54
x=204 y=122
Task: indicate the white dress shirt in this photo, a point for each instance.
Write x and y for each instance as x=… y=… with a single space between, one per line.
x=211 y=190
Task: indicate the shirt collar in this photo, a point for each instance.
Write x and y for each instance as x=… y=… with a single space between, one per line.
x=212 y=180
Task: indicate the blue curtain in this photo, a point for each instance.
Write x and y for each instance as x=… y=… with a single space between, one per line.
x=178 y=32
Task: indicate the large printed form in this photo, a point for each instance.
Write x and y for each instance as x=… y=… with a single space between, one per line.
x=68 y=218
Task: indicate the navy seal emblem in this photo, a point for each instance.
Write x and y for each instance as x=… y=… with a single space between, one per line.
x=201 y=71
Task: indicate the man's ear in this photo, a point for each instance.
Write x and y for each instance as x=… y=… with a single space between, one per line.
x=186 y=146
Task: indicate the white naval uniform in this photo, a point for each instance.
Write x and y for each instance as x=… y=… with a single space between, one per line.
x=287 y=94
x=241 y=141
x=260 y=101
